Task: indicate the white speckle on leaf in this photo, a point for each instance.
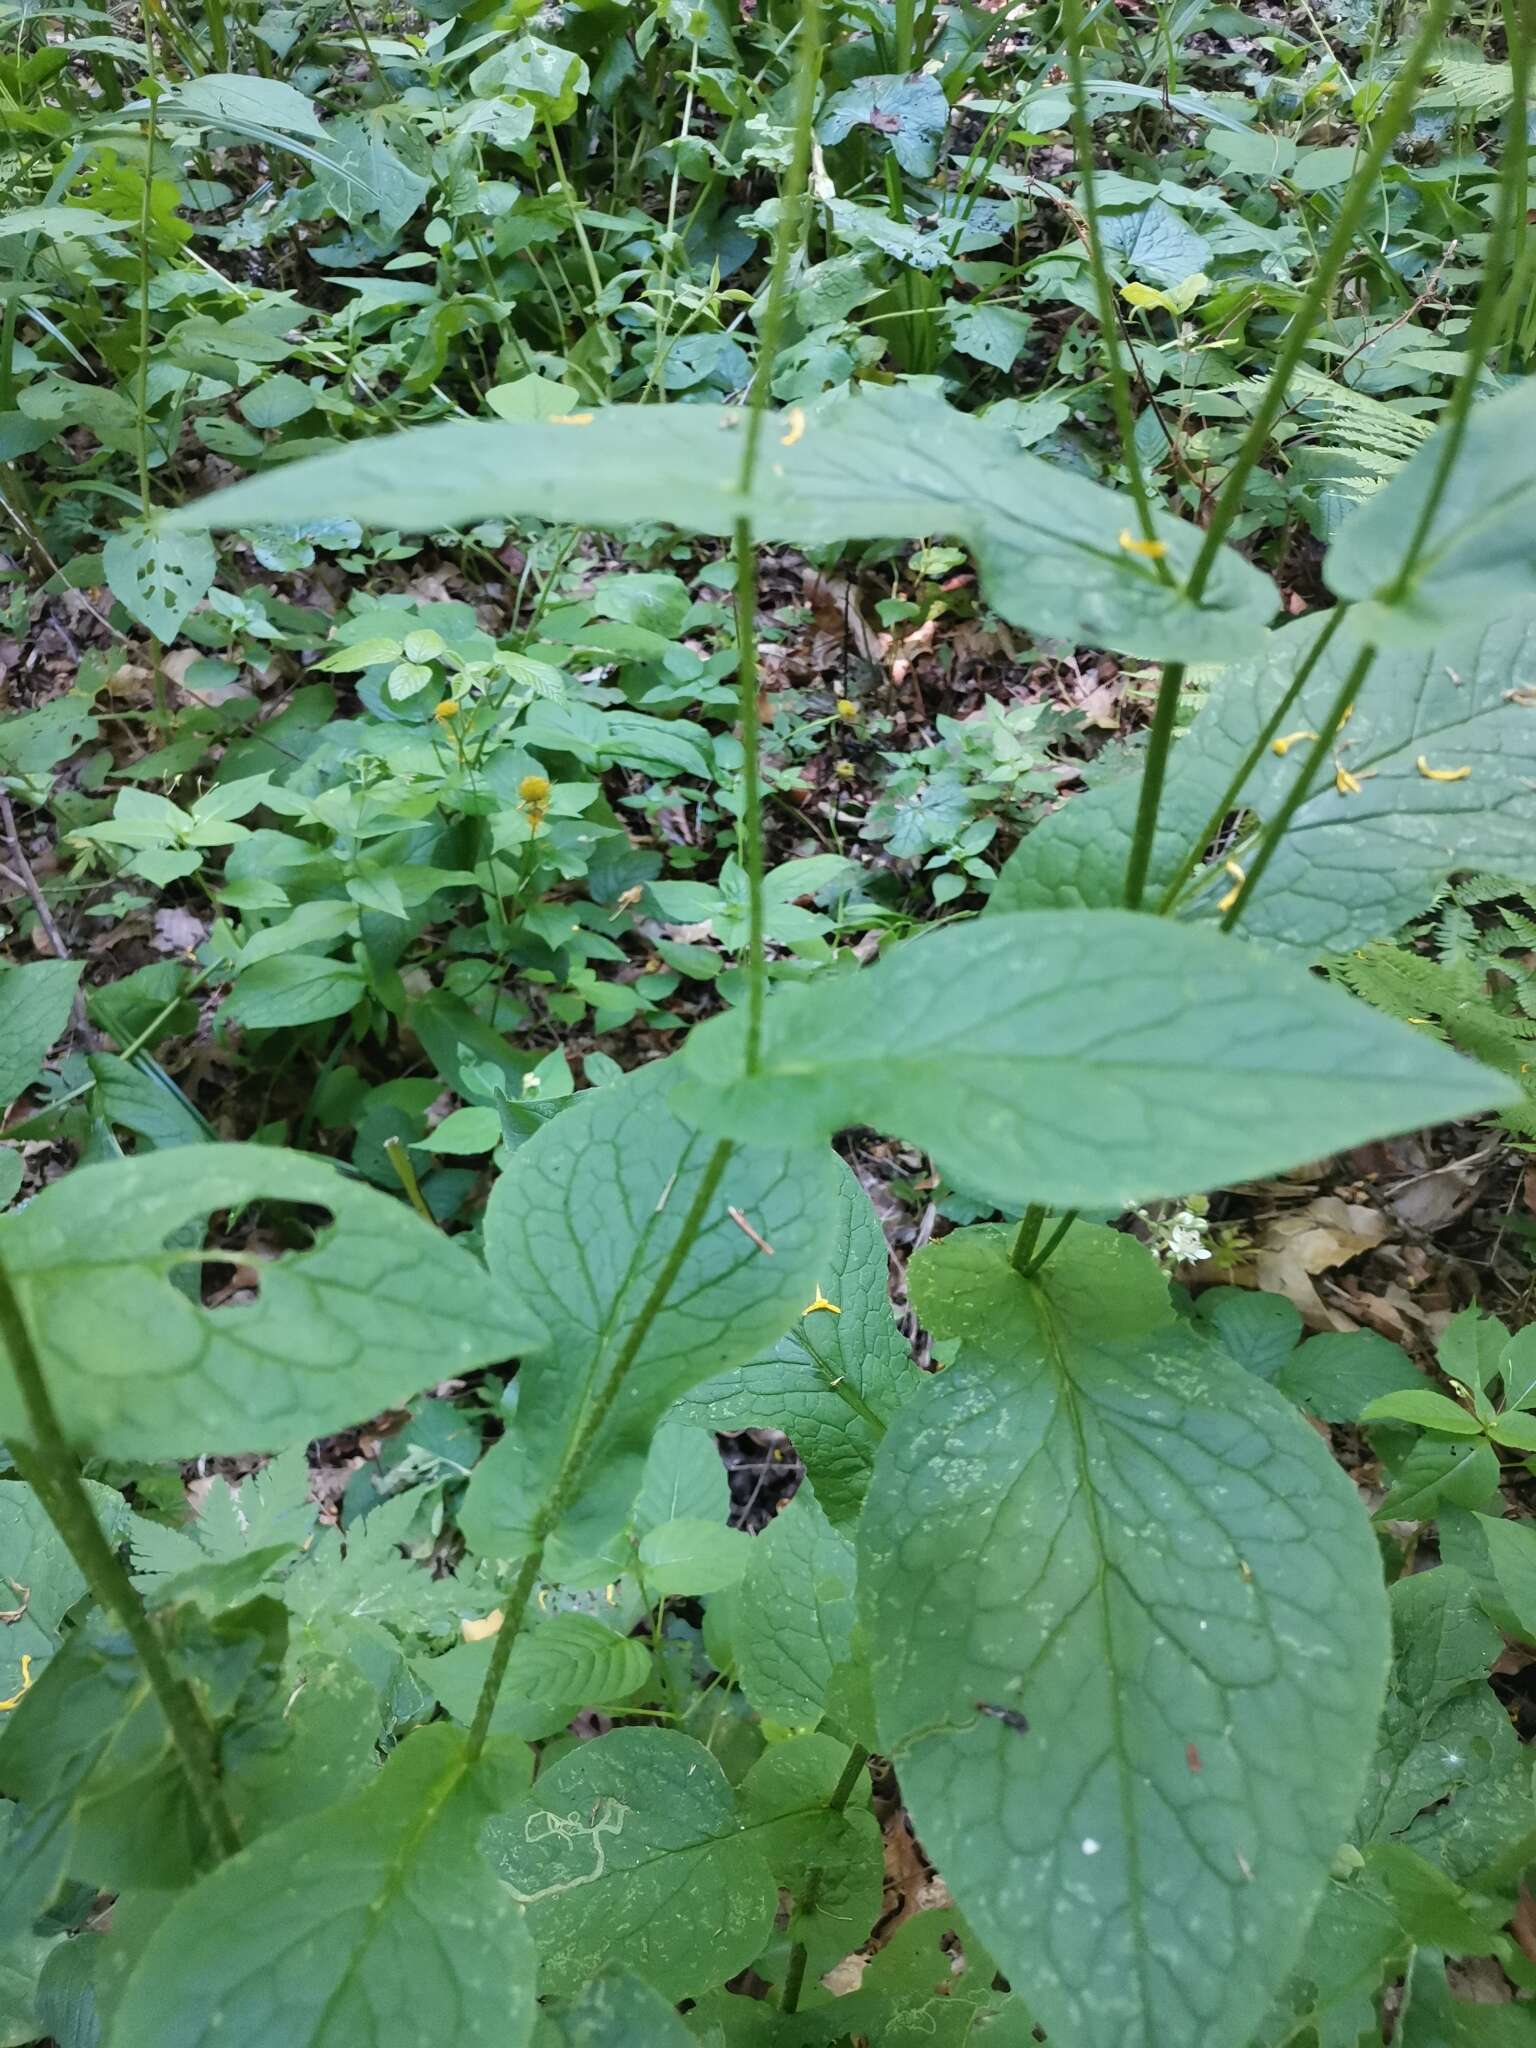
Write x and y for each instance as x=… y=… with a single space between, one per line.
x=1090 y=1846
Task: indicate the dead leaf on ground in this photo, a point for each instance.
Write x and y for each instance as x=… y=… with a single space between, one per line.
x=1295 y=1248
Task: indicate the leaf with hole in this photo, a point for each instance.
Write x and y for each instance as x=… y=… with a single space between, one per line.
x=376 y=1306
x=158 y=576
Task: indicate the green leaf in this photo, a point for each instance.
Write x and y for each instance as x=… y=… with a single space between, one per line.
x=293 y=988
x=1082 y=1061
x=43 y=1578
x=1120 y=1600
x=1425 y=1408
x=629 y=1850
x=910 y=113
x=1479 y=556
x=242 y=100
x=615 y=2010
x=1352 y=866
x=34 y=1008
x=785 y=1800
x=833 y=1381
x=1335 y=1375
x=373 y=1923
x=898 y=466
x=791 y=1619
x=688 y=1556
x=1516 y=1431
x=576 y=1657
x=582 y=1222
x=1259 y=1330
x=377 y=1307
x=158 y=576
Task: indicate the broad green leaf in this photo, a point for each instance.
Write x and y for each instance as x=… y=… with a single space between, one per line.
x=158 y=576
x=1119 y=1601
x=791 y=1618
x=373 y=1923
x=785 y=1800
x=689 y=1556
x=1425 y=1408
x=377 y=1306
x=1478 y=554
x=1355 y=1940
x=242 y=100
x=1354 y=864
x=1499 y=1558
x=558 y=1667
x=1471 y=1348
x=908 y=113
x=833 y=1381
x=891 y=467
x=685 y=1479
x=582 y=1223
x=34 y=1008
x=1082 y=1060
x=1335 y=1375
x=629 y=1851
x=1260 y=1331
x=43 y=1579
x=615 y=2010
x=293 y=988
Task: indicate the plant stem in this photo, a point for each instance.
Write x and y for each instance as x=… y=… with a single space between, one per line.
x=49 y=1468
x=1251 y=759
x=568 y=191
x=405 y=1173
x=837 y=1383
x=1109 y=324
x=573 y=1463
x=1042 y=1257
x=1026 y=1237
x=1298 y=334
x=146 y=216
x=786 y=237
x=842 y=1792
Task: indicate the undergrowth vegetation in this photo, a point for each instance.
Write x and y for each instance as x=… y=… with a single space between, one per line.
x=641 y=640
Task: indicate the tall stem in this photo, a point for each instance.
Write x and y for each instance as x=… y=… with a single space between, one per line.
x=1315 y=300
x=842 y=1792
x=573 y=1463
x=146 y=271
x=786 y=238
x=49 y=1468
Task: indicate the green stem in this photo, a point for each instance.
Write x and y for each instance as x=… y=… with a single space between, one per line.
x=1026 y=1237
x=49 y=1468
x=146 y=270
x=573 y=1463
x=574 y=204
x=405 y=1173
x=1234 y=789
x=837 y=1383
x=842 y=1792
x=1356 y=196
x=1109 y=324
x=785 y=239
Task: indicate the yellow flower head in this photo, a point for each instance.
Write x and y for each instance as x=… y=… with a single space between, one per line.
x=534 y=791
x=1441 y=774
x=1148 y=550
x=845 y=771
x=449 y=708
x=821 y=1302
x=1286 y=741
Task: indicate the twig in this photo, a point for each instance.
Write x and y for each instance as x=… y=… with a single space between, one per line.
x=20 y=876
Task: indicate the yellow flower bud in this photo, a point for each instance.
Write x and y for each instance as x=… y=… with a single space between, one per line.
x=534 y=790
x=847 y=710
x=845 y=771
x=449 y=708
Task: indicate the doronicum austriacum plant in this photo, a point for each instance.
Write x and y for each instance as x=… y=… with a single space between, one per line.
x=527 y=1745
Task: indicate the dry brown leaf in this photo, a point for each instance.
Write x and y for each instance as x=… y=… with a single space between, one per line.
x=1296 y=1247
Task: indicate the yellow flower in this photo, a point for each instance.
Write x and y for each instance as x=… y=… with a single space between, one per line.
x=1240 y=875
x=821 y=1301
x=1284 y=745
x=1345 y=783
x=534 y=790
x=1441 y=774
x=1148 y=550
x=845 y=771
x=847 y=710
x=796 y=420
x=449 y=708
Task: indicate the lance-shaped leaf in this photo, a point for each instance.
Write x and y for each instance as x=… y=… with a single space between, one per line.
x=376 y=1307
x=1084 y=1060
x=582 y=1223
x=1442 y=746
x=373 y=1923
x=1129 y=1639
x=876 y=467
x=835 y=1378
x=1479 y=555
x=34 y=1008
x=629 y=1851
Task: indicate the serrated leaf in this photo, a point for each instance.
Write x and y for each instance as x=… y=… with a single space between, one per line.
x=582 y=1222
x=373 y=1923
x=898 y=466
x=1082 y=1060
x=158 y=576
x=1353 y=866
x=379 y=1306
x=803 y=1383
x=1120 y=1600
x=1478 y=554
x=793 y=1613
x=629 y=1850
x=34 y=1008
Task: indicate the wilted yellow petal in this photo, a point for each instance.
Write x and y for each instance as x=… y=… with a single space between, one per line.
x=26 y=1686
x=1345 y=783
x=1149 y=550
x=570 y=419
x=1284 y=745
x=796 y=427
x=1441 y=774
x=477 y=1631
x=1144 y=296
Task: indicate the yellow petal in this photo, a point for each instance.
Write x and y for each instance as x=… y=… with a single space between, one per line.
x=821 y=1301
x=570 y=419
x=1345 y=783
x=1148 y=550
x=1441 y=774
x=796 y=427
x=26 y=1686
x=446 y=710
x=1284 y=745
x=1144 y=296
x=1236 y=870
x=1229 y=899
x=477 y=1631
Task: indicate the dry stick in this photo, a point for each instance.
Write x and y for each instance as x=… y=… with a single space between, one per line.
x=1228 y=502
x=49 y=1468
x=22 y=877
